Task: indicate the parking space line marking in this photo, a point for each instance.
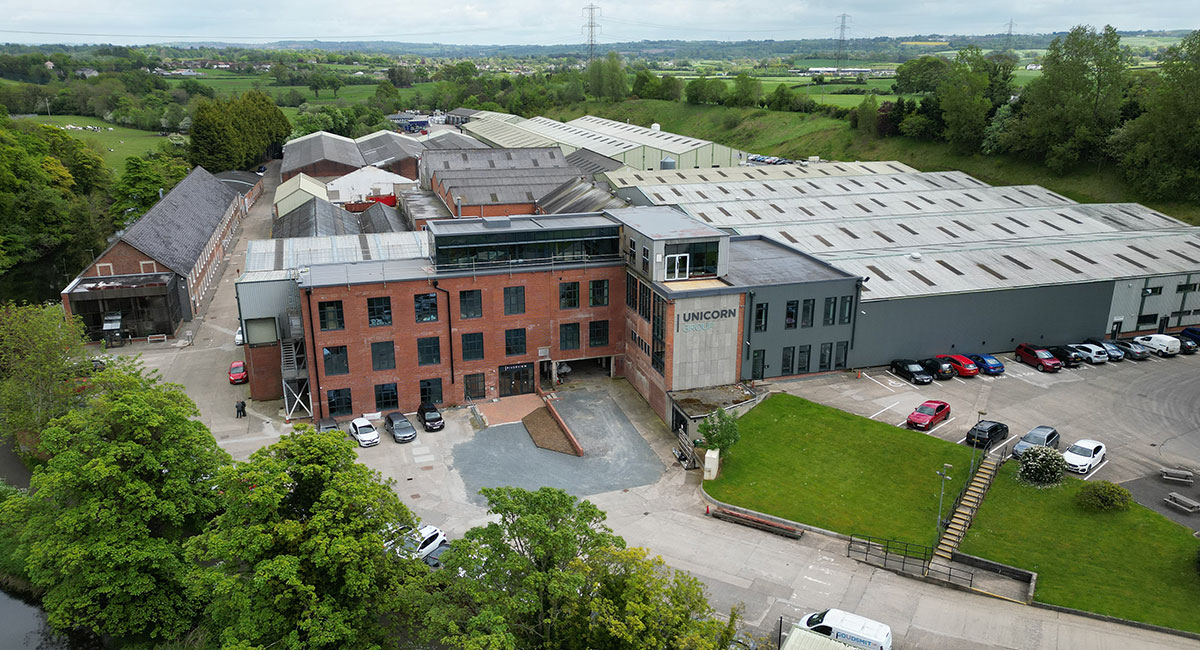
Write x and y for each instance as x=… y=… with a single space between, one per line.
x=884 y=409
x=959 y=380
x=897 y=378
x=902 y=422
x=1009 y=360
x=942 y=425
x=961 y=441
x=1098 y=468
x=878 y=382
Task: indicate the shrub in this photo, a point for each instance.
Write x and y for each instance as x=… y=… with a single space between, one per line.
x=720 y=430
x=1104 y=496
x=1198 y=561
x=1041 y=466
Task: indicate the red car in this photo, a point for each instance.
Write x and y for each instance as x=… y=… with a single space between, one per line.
x=237 y=373
x=963 y=366
x=928 y=414
x=1039 y=358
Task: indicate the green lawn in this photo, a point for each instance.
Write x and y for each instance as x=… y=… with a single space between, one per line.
x=123 y=142
x=229 y=83
x=1137 y=564
x=824 y=467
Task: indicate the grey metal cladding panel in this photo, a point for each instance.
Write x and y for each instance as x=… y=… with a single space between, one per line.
x=318 y=147
x=380 y=218
x=315 y=218
x=176 y=230
x=265 y=299
x=452 y=140
x=758 y=262
x=970 y=323
x=512 y=158
x=778 y=336
x=590 y=162
x=661 y=222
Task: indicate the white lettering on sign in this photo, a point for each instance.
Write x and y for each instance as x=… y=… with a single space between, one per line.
x=697 y=327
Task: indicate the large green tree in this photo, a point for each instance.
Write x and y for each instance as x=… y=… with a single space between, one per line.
x=1067 y=115
x=215 y=143
x=549 y=574
x=236 y=133
x=43 y=364
x=138 y=187
x=747 y=91
x=965 y=106
x=299 y=557
x=101 y=531
x=1158 y=151
x=921 y=75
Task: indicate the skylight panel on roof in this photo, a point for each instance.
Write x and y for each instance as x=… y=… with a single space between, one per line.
x=990 y=271
x=1138 y=250
x=932 y=182
x=1051 y=225
x=1018 y=262
x=753 y=214
x=878 y=202
x=721 y=173
x=925 y=199
x=844 y=188
x=705 y=217
x=1066 y=266
x=1082 y=256
x=823 y=240
x=955 y=203
x=787 y=173
x=723 y=190
x=1017 y=221
x=907 y=229
x=922 y=278
x=788 y=237
x=900 y=181
x=856 y=182
x=948 y=231
x=963 y=225
x=701 y=195
x=877 y=271
x=724 y=211
x=805 y=210
x=1122 y=257
x=951 y=268
x=1181 y=256
x=912 y=205
x=863 y=208
x=1132 y=214
x=1011 y=199
x=799 y=189
x=828 y=205
x=885 y=237
x=777 y=208
x=748 y=192
x=1001 y=227
x=972 y=197
x=769 y=188
x=849 y=232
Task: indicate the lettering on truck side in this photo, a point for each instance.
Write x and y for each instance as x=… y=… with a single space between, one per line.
x=854 y=639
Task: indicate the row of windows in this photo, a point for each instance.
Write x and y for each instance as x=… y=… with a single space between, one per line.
x=429 y=349
x=387 y=396
x=797 y=359
x=793 y=309
x=470 y=304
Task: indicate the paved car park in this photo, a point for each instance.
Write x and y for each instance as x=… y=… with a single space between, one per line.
x=1143 y=411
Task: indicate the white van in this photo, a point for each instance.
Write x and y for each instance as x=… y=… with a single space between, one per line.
x=1160 y=344
x=851 y=629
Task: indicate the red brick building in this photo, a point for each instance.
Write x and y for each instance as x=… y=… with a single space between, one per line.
x=326 y=155
x=494 y=182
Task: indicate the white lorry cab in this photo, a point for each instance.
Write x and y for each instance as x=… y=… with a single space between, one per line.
x=851 y=629
x=1160 y=344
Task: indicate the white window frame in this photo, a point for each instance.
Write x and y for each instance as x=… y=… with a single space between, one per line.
x=673 y=267
x=100 y=268
x=153 y=266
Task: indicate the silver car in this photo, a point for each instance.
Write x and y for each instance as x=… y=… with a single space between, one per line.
x=1040 y=436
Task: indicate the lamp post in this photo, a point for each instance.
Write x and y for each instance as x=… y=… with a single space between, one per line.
x=945 y=474
x=974 y=447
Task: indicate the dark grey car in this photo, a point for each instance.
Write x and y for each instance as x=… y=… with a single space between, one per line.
x=399 y=427
x=1040 y=436
x=328 y=424
x=985 y=433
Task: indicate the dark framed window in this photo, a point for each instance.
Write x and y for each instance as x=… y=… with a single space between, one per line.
x=331 y=315
x=386 y=397
x=514 y=300
x=379 y=311
x=474 y=386
x=429 y=351
x=1153 y=291
x=1147 y=319
x=598 y=293
x=338 y=401
x=383 y=356
x=645 y=260
x=702 y=256
x=760 y=317
x=472 y=346
x=337 y=362
x=425 y=306
x=514 y=342
x=830 y=311
x=568 y=336
x=802 y=354
x=431 y=390
x=470 y=303
x=839 y=354
x=598 y=333
x=806 y=316
x=568 y=295
x=826 y=356
x=631 y=291
x=791 y=315
x=789 y=355
x=847 y=310
x=644 y=301
x=1184 y=288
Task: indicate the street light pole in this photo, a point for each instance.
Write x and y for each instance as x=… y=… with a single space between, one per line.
x=945 y=474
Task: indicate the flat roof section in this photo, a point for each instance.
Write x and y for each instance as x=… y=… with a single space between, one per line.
x=659 y=222
x=297 y=252
x=700 y=402
x=758 y=261
x=632 y=178
x=519 y=223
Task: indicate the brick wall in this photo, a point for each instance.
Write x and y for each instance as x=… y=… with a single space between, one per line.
x=266 y=378
x=540 y=321
x=321 y=168
x=205 y=275
x=123 y=259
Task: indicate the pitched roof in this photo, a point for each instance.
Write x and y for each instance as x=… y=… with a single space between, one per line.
x=300 y=183
x=176 y=230
x=380 y=218
x=576 y=196
x=365 y=182
x=450 y=140
x=383 y=147
x=315 y=218
x=316 y=147
x=590 y=162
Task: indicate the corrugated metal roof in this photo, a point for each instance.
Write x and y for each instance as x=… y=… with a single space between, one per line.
x=176 y=230
x=577 y=136
x=457 y=160
x=638 y=135
x=316 y=147
x=300 y=183
x=315 y=218
x=444 y=139
x=368 y=181
x=577 y=195
x=520 y=223
x=590 y=162
x=504 y=134
x=380 y=218
x=297 y=252
x=773 y=188
x=496 y=116
x=384 y=147
x=630 y=178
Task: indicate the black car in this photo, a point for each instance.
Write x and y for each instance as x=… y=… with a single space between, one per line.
x=399 y=427
x=1067 y=356
x=910 y=370
x=430 y=417
x=1190 y=334
x=1187 y=346
x=986 y=433
x=938 y=368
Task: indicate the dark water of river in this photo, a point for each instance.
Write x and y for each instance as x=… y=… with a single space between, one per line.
x=24 y=626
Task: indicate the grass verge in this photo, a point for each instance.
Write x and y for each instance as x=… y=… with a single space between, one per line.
x=824 y=467
x=1135 y=564
x=122 y=141
x=797 y=135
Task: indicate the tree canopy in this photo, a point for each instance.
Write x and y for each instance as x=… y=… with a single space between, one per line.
x=43 y=367
x=236 y=133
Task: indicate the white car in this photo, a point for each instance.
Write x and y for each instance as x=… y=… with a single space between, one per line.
x=1084 y=456
x=1160 y=344
x=364 y=432
x=419 y=544
x=1092 y=354
x=238 y=339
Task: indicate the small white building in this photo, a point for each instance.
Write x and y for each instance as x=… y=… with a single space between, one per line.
x=368 y=181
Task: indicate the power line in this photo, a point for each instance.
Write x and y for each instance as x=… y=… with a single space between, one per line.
x=590 y=29
x=1008 y=40
x=698 y=28
x=841 y=45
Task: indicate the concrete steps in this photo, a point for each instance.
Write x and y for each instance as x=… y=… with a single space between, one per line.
x=964 y=512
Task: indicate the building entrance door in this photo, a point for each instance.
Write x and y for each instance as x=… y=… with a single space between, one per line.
x=1163 y=323
x=516 y=379
x=677 y=267
x=758 y=365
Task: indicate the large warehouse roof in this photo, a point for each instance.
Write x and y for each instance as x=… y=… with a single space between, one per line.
x=677 y=193
x=636 y=135
x=503 y=134
x=176 y=230
x=450 y=140
x=320 y=146
x=315 y=218
x=383 y=147
x=478 y=159
x=632 y=178
x=298 y=252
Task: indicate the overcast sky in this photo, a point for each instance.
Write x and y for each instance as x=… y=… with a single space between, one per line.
x=553 y=21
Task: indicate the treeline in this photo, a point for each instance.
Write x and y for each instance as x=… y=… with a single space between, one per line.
x=237 y=132
x=1087 y=108
x=139 y=529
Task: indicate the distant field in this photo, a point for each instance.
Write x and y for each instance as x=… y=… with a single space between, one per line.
x=115 y=145
x=226 y=83
x=1150 y=41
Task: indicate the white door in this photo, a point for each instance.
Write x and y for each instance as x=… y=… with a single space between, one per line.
x=677 y=267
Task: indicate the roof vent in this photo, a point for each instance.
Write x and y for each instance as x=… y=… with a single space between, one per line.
x=497 y=222
x=656 y=127
x=916 y=257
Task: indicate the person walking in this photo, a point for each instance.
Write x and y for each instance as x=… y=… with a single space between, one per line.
x=237 y=408
x=242 y=407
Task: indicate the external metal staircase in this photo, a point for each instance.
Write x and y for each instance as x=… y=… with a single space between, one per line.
x=965 y=507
